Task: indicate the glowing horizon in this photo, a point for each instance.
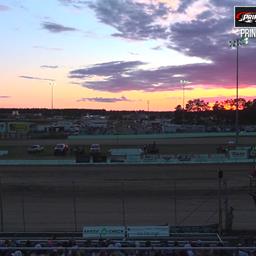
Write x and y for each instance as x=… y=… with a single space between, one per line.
x=102 y=58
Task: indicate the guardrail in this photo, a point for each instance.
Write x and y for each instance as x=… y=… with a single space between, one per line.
x=160 y=135
x=37 y=162
x=144 y=162
x=134 y=249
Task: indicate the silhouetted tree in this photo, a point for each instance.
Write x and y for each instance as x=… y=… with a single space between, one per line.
x=197 y=105
x=178 y=108
x=218 y=106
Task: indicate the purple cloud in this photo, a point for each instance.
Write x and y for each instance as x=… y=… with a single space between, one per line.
x=49 y=66
x=204 y=34
x=75 y=3
x=157 y=48
x=104 y=100
x=4 y=97
x=124 y=76
x=4 y=8
x=118 y=79
x=37 y=78
x=106 y=69
x=47 y=48
x=132 y=20
x=56 y=28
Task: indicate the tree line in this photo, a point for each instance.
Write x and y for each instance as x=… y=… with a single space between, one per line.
x=198 y=111
x=198 y=105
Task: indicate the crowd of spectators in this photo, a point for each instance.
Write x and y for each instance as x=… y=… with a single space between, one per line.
x=53 y=247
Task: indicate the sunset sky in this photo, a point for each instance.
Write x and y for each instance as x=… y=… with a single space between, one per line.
x=120 y=54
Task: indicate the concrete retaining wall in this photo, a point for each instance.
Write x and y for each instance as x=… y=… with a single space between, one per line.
x=160 y=136
x=152 y=161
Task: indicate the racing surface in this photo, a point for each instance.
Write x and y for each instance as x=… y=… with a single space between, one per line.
x=133 y=141
x=18 y=148
x=67 y=198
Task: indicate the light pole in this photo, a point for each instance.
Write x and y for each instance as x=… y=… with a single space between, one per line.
x=183 y=82
x=236 y=43
x=52 y=84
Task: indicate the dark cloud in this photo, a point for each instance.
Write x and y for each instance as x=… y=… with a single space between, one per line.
x=4 y=8
x=184 y=4
x=104 y=100
x=4 y=97
x=48 y=66
x=47 y=48
x=206 y=36
x=132 y=20
x=144 y=80
x=75 y=83
x=209 y=75
x=75 y=3
x=37 y=78
x=124 y=76
x=156 y=48
x=113 y=68
x=56 y=28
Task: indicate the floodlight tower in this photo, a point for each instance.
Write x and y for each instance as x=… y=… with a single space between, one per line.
x=51 y=84
x=183 y=82
x=236 y=43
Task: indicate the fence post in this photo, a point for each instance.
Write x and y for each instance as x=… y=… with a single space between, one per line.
x=23 y=208
x=1 y=206
x=220 y=176
x=175 y=203
x=74 y=204
x=226 y=205
x=123 y=204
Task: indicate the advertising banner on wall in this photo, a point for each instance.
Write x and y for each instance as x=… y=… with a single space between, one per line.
x=238 y=154
x=3 y=127
x=103 y=232
x=18 y=127
x=147 y=231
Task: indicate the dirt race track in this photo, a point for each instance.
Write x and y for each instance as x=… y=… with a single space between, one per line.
x=67 y=198
x=132 y=141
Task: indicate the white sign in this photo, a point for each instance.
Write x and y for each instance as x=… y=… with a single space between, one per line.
x=248 y=33
x=147 y=231
x=3 y=152
x=104 y=232
x=3 y=127
x=238 y=154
